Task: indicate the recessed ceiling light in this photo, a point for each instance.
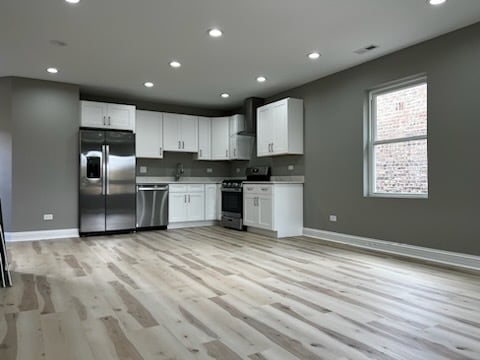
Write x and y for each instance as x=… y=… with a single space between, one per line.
x=225 y=95
x=314 y=55
x=52 y=70
x=148 y=84
x=73 y=1
x=436 y=2
x=261 y=79
x=175 y=64
x=215 y=32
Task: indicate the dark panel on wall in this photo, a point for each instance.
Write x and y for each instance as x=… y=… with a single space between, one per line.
x=334 y=148
x=145 y=105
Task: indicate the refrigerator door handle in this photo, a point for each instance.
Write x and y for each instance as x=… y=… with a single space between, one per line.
x=106 y=179
x=103 y=170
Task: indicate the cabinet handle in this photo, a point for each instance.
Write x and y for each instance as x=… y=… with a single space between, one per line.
x=272 y=147
x=183 y=144
x=179 y=144
x=104 y=121
x=200 y=152
x=226 y=153
x=109 y=121
x=234 y=153
x=189 y=198
x=161 y=151
x=185 y=198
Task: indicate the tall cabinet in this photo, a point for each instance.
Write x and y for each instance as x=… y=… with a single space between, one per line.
x=149 y=129
x=280 y=128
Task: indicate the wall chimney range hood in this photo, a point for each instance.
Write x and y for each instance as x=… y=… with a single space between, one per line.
x=250 y=111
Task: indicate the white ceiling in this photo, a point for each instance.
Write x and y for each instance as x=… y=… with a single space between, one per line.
x=114 y=46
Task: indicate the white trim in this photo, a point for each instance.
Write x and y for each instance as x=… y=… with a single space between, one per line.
x=41 y=235
x=437 y=256
x=189 y=224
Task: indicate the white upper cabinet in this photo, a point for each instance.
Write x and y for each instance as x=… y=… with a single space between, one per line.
x=107 y=116
x=280 y=128
x=220 y=138
x=240 y=145
x=204 y=138
x=237 y=124
x=180 y=133
x=149 y=137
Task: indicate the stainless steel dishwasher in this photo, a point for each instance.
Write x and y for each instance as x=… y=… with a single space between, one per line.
x=152 y=206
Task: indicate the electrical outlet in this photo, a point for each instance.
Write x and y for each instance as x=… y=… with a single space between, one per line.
x=291 y=167
x=143 y=169
x=333 y=218
x=209 y=170
x=47 y=217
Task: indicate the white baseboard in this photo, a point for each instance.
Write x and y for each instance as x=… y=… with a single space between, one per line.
x=40 y=235
x=189 y=224
x=437 y=256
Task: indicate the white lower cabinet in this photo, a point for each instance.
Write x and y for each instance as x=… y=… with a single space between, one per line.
x=186 y=203
x=211 y=202
x=274 y=207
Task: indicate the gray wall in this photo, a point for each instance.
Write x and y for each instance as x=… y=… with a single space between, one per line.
x=334 y=107
x=5 y=151
x=45 y=120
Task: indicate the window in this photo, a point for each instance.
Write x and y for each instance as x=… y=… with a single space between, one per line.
x=397 y=161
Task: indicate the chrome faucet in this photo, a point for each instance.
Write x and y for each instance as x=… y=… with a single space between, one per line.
x=179 y=171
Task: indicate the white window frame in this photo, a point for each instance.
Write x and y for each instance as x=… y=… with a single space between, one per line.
x=371 y=136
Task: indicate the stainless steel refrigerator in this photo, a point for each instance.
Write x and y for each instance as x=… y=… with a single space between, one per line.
x=107 y=181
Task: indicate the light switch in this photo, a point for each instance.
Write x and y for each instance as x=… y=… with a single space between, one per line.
x=143 y=169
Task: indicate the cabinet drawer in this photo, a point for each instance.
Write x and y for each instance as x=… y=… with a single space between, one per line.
x=177 y=188
x=250 y=189
x=258 y=189
x=265 y=189
x=196 y=188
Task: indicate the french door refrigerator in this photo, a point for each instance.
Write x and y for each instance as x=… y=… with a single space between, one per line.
x=107 y=198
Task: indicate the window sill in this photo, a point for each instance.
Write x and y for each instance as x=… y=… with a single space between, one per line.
x=399 y=196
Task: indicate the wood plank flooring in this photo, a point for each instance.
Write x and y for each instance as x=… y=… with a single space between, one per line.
x=213 y=293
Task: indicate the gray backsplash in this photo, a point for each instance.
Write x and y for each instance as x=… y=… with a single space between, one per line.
x=192 y=168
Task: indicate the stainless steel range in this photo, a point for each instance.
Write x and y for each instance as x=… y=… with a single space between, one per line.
x=232 y=196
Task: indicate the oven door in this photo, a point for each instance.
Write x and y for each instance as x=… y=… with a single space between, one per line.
x=232 y=202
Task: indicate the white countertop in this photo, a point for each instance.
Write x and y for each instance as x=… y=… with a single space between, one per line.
x=274 y=182
x=150 y=180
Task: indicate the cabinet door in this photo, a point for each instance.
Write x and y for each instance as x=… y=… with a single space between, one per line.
x=196 y=206
x=264 y=131
x=121 y=117
x=220 y=138
x=265 y=213
x=93 y=114
x=171 y=132
x=279 y=120
x=211 y=202
x=250 y=210
x=204 y=138
x=149 y=137
x=219 y=202
x=177 y=207
x=237 y=124
x=189 y=133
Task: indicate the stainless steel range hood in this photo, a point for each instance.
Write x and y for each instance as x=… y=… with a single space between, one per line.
x=250 y=111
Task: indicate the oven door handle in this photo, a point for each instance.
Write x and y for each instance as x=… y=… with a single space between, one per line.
x=232 y=190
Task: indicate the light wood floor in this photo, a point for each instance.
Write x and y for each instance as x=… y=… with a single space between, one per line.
x=212 y=293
